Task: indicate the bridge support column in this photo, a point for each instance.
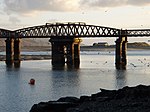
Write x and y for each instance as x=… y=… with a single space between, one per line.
x=77 y=55
x=58 y=57
x=124 y=50
x=9 y=52
x=66 y=50
x=17 y=57
x=70 y=54
x=121 y=48
x=73 y=53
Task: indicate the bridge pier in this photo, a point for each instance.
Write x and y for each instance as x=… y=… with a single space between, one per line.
x=77 y=55
x=9 y=52
x=17 y=57
x=121 y=48
x=124 y=51
x=65 y=51
x=13 y=52
x=70 y=54
x=73 y=53
x=58 y=57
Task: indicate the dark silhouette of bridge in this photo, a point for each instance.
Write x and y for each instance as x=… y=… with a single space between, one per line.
x=71 y=30
x=65 y=41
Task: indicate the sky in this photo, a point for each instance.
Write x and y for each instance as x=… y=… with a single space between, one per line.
x=125 y=14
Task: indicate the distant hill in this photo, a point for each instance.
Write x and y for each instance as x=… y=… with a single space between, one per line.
x=138 y=44
x=135 y=44
x=30 y=42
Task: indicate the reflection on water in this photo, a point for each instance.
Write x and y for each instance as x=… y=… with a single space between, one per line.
x=120 y=78
x=66 y=67
x=97 y=70
x=66 y=83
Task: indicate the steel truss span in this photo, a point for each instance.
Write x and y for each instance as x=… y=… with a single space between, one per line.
x=71 y=30
x=67 y=30
x=5 y=33
x=138 y=32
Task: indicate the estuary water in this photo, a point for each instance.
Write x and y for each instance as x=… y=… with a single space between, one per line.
x=97 y=70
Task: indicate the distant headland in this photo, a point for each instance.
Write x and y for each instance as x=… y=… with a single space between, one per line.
x=104 y=45
x=44 y=46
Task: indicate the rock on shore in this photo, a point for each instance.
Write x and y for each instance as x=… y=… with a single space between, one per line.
x=127 y=99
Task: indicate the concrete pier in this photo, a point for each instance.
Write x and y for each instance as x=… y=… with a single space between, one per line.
x=66 y=50
x=9 y=52
x=73 y=53
x=77 y=55
x=70 y=54
x=17 y=57
x=124 y=50
x=121 y=48
x=58 y=57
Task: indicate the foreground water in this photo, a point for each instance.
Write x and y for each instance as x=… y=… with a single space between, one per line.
x=97 y=70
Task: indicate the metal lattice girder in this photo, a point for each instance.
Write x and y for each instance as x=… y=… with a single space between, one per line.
x=138 y=32
x=5 y=33
x=71 y=30
x=67 y=30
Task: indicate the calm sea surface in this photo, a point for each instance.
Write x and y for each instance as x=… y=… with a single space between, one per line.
x=97 y=70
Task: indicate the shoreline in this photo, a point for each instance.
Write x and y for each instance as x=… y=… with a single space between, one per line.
x=29 y=57
x=111 y=48
x=82 y=48
x=127 y=99
x=48 y=49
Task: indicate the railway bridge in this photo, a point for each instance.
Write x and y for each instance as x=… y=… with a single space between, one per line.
x=65 y=39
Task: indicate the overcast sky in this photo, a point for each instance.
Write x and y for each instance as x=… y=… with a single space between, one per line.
x=113 y=13
x=124 y=14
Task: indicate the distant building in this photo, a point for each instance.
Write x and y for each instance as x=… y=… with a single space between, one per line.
x=104 y=44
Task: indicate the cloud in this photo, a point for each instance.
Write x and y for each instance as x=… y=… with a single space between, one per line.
x=52 y=20
x=138 y=2
x=113 y=3
x=27 y=6
x=14 y=20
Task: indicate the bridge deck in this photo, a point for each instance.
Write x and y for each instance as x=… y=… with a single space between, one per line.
x=71 y=30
